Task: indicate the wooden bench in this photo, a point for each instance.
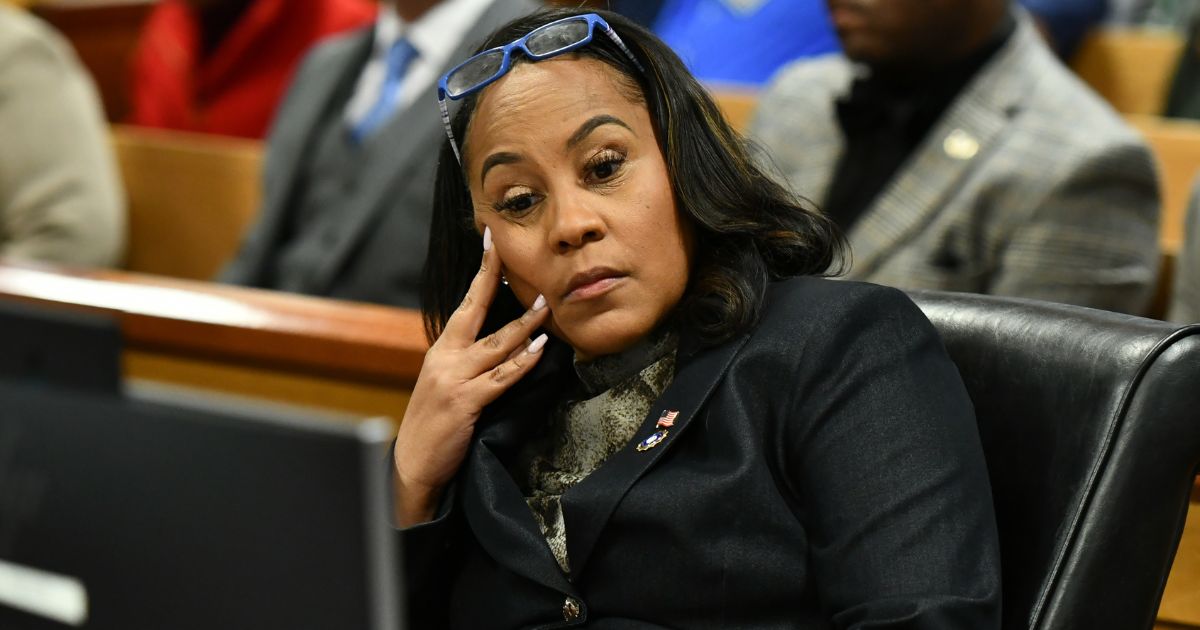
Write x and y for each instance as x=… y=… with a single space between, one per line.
x=358 y=358
x=191 y=198
x=1131 y=68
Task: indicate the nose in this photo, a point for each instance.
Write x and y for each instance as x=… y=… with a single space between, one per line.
x=575 y=222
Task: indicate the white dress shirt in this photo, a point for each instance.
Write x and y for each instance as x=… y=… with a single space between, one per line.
x=435 y=36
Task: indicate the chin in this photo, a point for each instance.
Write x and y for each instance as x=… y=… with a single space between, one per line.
x=863 y=49
x=604 y=334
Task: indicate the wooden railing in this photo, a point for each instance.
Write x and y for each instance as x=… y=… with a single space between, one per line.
x=354 y=357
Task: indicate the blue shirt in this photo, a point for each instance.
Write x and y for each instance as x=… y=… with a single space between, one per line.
x=745 y=41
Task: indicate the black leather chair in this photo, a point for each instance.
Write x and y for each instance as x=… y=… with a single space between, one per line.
x=1090 y=423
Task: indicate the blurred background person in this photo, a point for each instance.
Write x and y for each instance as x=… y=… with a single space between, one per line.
x=1183 y=97
x=747 y=41
x=1167 y=13
x=60 y=196
x=1065 y=23
x=959 y=154
x=222 y=66
x=744 y=41
x=348 y=182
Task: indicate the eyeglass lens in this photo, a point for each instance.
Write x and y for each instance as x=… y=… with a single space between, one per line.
x=544 y=41
x=556 y=37
x=481 y=68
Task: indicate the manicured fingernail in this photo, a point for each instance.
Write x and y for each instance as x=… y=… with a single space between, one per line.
x=535 y=346
x=539 y=303
x=487 y=238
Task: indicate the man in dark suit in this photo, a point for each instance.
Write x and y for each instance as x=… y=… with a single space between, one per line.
x=348 y=180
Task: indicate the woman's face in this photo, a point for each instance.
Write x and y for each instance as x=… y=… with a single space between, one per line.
x=564 y=168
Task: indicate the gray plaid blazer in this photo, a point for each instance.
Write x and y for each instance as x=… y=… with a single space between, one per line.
x=1028 y=186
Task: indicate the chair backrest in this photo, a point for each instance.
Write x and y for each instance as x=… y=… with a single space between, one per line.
x=1090 y=425
x=1130 y=67
x=737 y=104
x=1176 y=147
x=191 y=197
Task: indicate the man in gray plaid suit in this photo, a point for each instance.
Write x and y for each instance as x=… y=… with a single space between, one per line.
x=957 y=153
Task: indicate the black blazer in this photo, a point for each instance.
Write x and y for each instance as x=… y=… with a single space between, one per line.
x=824 y=471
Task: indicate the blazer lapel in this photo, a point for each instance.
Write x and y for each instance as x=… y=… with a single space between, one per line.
x=298 y=124
x=504 y=524
x=409 y=139
x=959 y=142
x=588 y=506
x=493 y=504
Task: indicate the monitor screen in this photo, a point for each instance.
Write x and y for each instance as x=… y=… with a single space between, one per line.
x=70 y=348
x=161 y=508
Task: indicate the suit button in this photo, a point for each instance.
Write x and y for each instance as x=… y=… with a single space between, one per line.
x=571 y=609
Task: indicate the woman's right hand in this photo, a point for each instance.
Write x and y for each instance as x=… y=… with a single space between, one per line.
x=459 y=377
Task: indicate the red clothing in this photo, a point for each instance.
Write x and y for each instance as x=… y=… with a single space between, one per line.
x=235 y=90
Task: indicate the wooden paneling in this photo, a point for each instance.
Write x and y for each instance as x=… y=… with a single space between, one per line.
x=737 y=103
x=1181 y=600
x=1131 y=68
x=191 y=198
x=1176 y=146
x=361 y=358
x=104 y=35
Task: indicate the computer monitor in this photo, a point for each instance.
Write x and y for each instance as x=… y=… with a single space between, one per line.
x=64 y=347
x=164 y=509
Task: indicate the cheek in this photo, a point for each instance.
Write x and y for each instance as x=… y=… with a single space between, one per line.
x=519 y=259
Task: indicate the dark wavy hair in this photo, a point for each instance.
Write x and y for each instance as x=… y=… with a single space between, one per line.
x=748 y=229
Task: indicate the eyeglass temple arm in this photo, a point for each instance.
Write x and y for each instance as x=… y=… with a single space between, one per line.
x=449 y=131
x=608 y=30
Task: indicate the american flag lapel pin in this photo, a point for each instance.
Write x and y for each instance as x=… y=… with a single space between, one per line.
x=665 y=422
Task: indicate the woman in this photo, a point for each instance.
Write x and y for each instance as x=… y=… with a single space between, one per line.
x=704 y=435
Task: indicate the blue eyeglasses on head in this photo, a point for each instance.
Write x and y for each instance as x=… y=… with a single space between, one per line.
x=548 y=40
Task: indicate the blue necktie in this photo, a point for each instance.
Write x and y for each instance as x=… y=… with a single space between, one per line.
x=398 y=59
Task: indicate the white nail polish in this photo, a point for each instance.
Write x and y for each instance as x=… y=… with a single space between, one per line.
x=536 y=345
x=487 y=238
x=539 y=303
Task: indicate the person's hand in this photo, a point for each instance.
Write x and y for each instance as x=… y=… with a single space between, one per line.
x=460 y=376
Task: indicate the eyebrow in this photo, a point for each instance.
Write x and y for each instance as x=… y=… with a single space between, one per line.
x=504 y=157
x=591 y=125
x=497 y=159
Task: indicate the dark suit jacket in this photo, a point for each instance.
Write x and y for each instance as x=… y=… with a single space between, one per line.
x=824 y=471
x=378 y=254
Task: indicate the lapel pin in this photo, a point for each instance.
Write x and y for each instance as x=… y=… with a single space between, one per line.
x=667 y=419
x=960 y=145
x=655 y=439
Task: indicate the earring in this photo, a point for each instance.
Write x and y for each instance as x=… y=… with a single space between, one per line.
x=503 y=280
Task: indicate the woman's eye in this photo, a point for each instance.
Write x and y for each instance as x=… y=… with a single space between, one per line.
x=517 y=204
x=605 y=170
x=605 y=167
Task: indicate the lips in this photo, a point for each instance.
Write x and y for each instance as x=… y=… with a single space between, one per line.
x=592 y=283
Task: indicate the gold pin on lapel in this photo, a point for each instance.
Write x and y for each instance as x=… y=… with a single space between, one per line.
x=960 y=145
x=655 y=439
x=665 y=422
